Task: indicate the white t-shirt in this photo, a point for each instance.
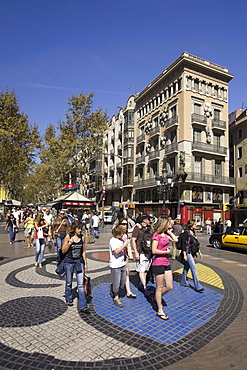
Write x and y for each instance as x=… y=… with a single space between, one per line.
x=95 y=221
x=116 y=260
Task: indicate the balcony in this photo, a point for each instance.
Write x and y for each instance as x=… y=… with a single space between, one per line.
x=140 y=139
x=140 y=160
x=198 y=118
x=116 y=185
x=216 y=123
x=171 y=122
x=145 y=183
x=170 y=148
x=154 y=155
x=154 y=131
x=213 y=179
x=128 y=160
x=209 y=148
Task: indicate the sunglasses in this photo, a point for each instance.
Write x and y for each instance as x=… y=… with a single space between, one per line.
x=124 y=223
x=62 y=213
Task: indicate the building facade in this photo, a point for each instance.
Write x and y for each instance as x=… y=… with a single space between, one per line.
x=176 y=125
x=238 y=164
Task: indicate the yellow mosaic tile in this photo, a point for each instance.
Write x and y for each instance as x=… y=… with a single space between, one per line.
x=206 y=275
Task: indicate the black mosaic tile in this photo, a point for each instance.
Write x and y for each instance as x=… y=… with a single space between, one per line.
x=228 y=310
x=16 y=312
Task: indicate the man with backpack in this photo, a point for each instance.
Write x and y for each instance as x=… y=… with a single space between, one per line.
x=142 y=245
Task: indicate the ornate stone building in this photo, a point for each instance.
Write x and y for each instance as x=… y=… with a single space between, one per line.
x=175 y=125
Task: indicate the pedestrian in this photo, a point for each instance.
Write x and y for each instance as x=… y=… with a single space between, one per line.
x=59 y=229
x=11 y=227
x=95 y=225
x=88 y=226
x=176 y=229
x=208 y=226
x=161 y=267
x=127 y=255
x=49 y=219
x=16 y=213
x=75 y=261
x=189 y=245
x=141 y=243
x=29 y=231
x=117 y=263
x=228 y=225
x=41 y=233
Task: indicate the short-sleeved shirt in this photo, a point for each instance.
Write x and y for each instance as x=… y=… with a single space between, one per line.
x=116 y=260
x=163 y=242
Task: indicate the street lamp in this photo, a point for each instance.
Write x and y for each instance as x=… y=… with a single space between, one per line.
x=164 y=184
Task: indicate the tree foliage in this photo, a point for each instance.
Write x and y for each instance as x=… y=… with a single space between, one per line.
x=19 y=144
x=69 y=150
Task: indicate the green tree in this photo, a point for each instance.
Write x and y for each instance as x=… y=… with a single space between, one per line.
x=19 y=144
x=69 y=150
x=80 y=133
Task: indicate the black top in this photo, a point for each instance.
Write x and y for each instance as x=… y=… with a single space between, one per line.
x=75 y=250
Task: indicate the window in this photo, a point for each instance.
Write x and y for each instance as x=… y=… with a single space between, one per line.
x=218 y=169
x=173 y=111
x=240 y=153
x=128 y=175
x=197 y=135
x=217 y=114
x=197 y=108
x=173 y=136
x=240 y=134
x=240 y=172
x=196 y=85
x=216 y=139
x=198 y=165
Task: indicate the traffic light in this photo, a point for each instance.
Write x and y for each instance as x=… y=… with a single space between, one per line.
x=224 y=207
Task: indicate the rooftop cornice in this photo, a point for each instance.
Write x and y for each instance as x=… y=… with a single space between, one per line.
x=183 y=59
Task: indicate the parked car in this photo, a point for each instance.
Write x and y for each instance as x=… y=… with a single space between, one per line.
x=235 y=237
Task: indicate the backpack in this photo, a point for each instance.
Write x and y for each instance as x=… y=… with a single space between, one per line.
x=146 y=242
x=179 y=242
x=193 y=244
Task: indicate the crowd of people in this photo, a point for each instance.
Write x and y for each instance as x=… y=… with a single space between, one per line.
x=150 y=241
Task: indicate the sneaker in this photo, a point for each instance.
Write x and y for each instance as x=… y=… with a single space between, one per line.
x=69 y=304
x=117 y=302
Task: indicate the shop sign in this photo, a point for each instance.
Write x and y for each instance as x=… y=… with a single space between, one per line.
x=77 y=204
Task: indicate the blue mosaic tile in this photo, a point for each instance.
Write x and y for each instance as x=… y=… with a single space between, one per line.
x=187 y=311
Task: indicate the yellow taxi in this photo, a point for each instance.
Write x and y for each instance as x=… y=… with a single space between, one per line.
x=235 y=237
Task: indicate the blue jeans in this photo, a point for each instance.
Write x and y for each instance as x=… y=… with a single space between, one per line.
x=59 y=242
x=95 y=232
x=11 y=234
x=39 y=250
x=69 y=270
x=190 y=264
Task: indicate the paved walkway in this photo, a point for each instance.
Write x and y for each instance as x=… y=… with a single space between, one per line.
x=205 y=331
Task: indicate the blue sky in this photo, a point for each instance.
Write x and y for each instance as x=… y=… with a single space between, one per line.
x=51 y=49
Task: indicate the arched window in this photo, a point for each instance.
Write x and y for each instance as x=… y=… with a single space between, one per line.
x=197 y=194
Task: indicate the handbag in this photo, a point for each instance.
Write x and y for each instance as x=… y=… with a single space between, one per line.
x=40 y=233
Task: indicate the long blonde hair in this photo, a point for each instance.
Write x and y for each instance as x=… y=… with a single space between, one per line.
x=162 y=225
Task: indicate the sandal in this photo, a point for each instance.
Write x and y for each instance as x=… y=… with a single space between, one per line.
x=131 y=295
x=162 y=316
